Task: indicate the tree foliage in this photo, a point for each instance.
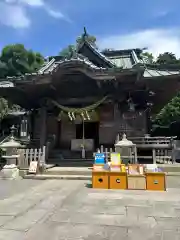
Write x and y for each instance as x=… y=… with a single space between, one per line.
x=170 y=112
x=148 y=57
x=167 y=58
x=66 y=52
x=16 y=60
x=89 y=38
x=4 y=108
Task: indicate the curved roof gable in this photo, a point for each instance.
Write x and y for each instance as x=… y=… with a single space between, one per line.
x=95 y=52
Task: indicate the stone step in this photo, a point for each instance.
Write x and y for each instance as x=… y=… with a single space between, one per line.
x=60 y=177
x=80 y=171
x=71 y=162
x=170 y=168
x=73 y=177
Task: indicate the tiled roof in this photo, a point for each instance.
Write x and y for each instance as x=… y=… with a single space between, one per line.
x=97 y=52
x=52 y=65
x=149 y=73
x=123 y=58
x=120 y=60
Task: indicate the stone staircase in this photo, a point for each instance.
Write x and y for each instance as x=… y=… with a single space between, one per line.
x=85 y=173
x=71 y=173
x=66 y=158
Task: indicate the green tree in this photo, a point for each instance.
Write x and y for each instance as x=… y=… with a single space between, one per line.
x=170 y=112
x=4 y=108
x=67 y=52
x=16 y=60
x=89 y=38
x=148 y=57
x=167 y=58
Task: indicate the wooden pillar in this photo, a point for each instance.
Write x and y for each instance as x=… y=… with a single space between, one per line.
x=32 y=124
x=43 y=132
x=173 y=142
x=154 y=155
x=24 y=127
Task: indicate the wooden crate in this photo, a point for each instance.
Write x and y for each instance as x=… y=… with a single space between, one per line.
x=117 y=180
x=98 y=167
x=100 y=179
x=156 y=181
x=137 y=182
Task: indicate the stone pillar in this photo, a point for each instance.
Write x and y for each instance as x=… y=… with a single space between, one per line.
x=43 y=132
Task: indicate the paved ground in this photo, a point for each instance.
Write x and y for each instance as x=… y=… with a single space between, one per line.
x=10 y=188
x=57 y=209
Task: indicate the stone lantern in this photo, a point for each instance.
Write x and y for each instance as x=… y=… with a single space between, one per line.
x=10 y=170
x=127 y=149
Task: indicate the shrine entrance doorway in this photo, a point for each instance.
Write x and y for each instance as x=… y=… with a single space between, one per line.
x=88 y=130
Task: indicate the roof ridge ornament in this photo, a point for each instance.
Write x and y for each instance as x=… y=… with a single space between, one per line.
x=85 y=34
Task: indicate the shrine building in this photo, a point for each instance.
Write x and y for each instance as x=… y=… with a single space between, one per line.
x=86 y=100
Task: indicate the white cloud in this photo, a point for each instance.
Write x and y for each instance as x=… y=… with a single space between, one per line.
x=156 y=40
x=13 y=13
x=14 y=16
x=55 y=14
x=34 y=3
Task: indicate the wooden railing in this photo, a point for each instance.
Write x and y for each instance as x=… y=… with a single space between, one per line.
x=29 y=154
x=162 y=149
x=35 y=154
x=153 y=142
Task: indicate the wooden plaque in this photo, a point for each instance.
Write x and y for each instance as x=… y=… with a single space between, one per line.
x=33 y=167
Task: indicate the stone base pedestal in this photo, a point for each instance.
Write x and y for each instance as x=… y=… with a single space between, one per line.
x=10 y=172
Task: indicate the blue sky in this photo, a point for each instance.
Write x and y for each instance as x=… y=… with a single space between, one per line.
x=48 y=26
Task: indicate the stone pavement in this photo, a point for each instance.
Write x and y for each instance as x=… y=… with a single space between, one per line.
x=10 y=188
x=55 y=210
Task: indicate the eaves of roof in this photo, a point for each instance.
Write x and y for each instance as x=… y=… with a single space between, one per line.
x=96 y=52
x=127 y=60
x=54 y=66
x=150 y=73
x=50 y=67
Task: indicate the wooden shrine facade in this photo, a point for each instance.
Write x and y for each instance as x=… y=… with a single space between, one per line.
x=101 y=128
x=92 y=96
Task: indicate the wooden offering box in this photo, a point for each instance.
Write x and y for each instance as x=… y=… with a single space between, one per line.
x=98 y=167
x=137 y=182
x=100 y=179
x=117 y=180
x=156 y=181
x=136 y=177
